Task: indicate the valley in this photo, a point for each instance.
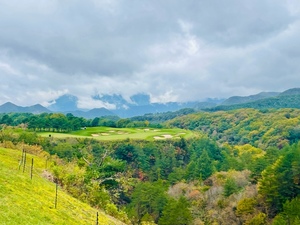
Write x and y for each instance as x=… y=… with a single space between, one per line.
x=235 y=166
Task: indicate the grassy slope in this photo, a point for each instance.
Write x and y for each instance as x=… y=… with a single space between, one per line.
x=108 y=133
x=26 y=201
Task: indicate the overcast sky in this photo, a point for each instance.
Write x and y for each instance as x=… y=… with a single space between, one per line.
x=172 y=50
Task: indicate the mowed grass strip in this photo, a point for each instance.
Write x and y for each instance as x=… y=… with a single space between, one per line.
x=109 y=133
x=26 y=201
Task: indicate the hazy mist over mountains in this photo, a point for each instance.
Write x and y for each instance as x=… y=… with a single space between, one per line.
x=139 y=104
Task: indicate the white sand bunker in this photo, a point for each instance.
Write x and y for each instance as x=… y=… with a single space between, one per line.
x=95 y=135
x=164 y=136
x=158 y=138
x=167 y=136
x=146 y=129
x=111 y=131
x=104 y=134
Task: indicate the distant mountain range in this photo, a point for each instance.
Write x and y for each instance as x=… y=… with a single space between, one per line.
x=287 y=99
x=239 y=100
x=10 y=107
x=140 y=104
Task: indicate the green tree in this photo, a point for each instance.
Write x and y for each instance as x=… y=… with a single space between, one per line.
x=200 y=168
x=95 y=122
x=259 y=219
x=290 y=214
x=191 y=171
x=230 y=187
x=126 y=152
x=204 y=165
x=148 y=198
x=176 y=212
x=281 y=181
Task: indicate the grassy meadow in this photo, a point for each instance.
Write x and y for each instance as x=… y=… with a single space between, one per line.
x=26 y=201
x=109 y=133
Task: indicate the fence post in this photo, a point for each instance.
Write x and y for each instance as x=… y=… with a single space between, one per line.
x=56 y=195
x=97 y=218
x=24 y=165
x=31 y=170
x=21 y=161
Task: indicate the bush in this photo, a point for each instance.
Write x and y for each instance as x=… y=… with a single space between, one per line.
x=259 y=219
x=230 y=187
x=245 y=206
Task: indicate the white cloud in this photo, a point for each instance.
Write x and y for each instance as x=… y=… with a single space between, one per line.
x=89 y=103
x=172 y=50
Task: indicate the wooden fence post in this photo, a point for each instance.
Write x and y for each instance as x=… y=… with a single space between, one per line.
x=55 y=204
x=24 y=164
x=31 y=170
x=22 y=159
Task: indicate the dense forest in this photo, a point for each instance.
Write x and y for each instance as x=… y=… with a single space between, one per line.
x=242 y=168
x=260 y=128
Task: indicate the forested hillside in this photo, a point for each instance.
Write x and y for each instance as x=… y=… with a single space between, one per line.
x=286 y=100
x=242 y=167
x=260 y=128
x=239 y=99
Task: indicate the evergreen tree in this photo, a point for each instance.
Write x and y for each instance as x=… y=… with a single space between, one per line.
x=290 y=214
x=148 y=198
x=176 y=213
x=230 y=187
x=281 y=181
x=204 y=165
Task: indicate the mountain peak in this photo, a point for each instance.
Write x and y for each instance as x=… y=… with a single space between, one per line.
x=292 y=91
x=64 y=103
x=140 y=99
x=9 y=107
x=9 y=104
x=244 y=99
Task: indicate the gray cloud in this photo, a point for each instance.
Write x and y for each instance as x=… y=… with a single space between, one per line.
x=173 y=50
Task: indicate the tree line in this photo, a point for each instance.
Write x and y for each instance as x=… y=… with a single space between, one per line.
x=59 y=122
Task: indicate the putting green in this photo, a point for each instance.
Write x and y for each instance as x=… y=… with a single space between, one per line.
x=109 y=133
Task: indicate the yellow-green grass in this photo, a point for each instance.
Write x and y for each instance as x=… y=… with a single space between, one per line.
x=26 y=201
x=109 y=133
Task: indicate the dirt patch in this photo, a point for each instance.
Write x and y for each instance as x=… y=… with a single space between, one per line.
x=46 y=174
x=95 y=135
x=104 y=134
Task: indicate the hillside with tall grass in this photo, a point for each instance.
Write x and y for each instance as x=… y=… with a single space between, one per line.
x=26 y=200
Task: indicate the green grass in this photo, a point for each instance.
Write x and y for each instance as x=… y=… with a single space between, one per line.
x=108 y=133
x=26 y=201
